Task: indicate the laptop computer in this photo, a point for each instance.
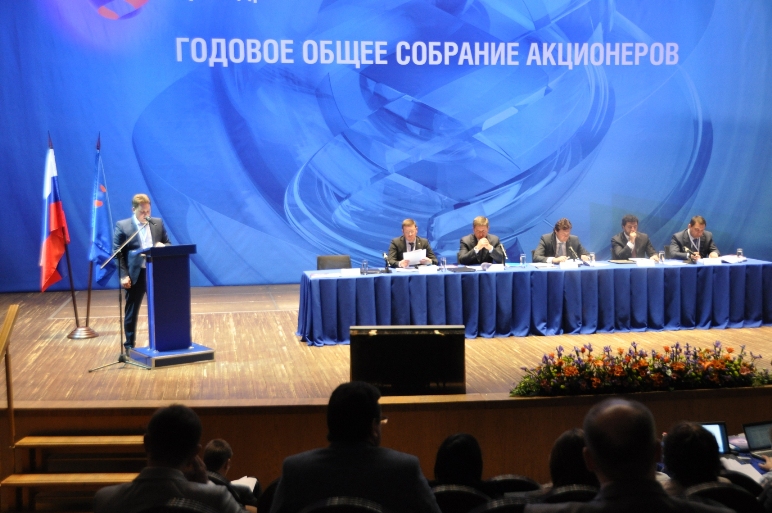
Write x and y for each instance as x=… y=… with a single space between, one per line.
x=757 y=435
x=718 y=430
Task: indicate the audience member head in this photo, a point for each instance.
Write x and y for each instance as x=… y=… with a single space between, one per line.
x=459 y=461
x=691 y=454
x=217 y=456
x=621 y=441
x=173 y=436
x=353 y=414
x=567 y=465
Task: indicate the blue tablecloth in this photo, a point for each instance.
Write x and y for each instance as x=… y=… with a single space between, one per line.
x=529 y=301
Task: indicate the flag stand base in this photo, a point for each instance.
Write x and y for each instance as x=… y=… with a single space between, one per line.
x=82 y=332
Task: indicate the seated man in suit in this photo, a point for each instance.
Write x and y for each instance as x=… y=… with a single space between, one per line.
x=217 y=458
x=174 y=470
x=623 y=451
x=409 y=241
x=354 y=465
x=694 y=242
x=131 y=265
x=630 y=243
x=480 y=246
x=560 y=245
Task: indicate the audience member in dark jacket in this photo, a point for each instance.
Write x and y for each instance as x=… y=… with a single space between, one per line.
x=217 y=458
x=567 y=465
x=459 y=462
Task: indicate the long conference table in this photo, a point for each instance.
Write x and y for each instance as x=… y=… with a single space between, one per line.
x=520 y=301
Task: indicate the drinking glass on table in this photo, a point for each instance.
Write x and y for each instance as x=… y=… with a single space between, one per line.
x=661 y=257
x=443 y=264
x=740 y=255
x=363 y=269
x=592 y=258
x=522 y=259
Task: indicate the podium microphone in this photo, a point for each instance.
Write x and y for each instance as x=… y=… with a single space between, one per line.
x=149 y=220
x=504 y=252
x=386 y=266
x=576 y=257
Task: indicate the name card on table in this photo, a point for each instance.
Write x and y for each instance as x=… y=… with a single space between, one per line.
x=709 y=261
x=569 y=264
x=350 y=272
x=427 y=269
x=644 y=262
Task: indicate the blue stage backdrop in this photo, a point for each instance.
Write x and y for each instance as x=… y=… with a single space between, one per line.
x=267 y=132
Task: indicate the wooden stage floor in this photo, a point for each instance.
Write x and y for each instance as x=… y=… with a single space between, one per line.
x=259 y=359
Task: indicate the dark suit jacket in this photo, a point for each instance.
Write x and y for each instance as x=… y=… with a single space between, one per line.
x=682 y=240
x=548 y=245
x=467 y=256
x=241 y=493
x=130 y=263
x=398 y=246
x=154 y=486
x=390 y=478
x=629 y=497
x=621 y=251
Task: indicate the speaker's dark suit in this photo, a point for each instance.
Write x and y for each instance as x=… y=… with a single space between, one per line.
x=399 y=246
x=682 y=240
x=467 y=256
x=130 y=264
x=390 y=478
x=621 y=251
x=548 y=246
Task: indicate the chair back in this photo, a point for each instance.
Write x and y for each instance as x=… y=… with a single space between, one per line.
x=333 y=262
x=730 y=495
x=743 y=481
x=509 y=483
x=505 y=505
x=343 y=505
x=571 y=493
x=458 y=498
x=180 y=505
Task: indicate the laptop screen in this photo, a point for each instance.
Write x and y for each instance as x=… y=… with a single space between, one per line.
x=757 y=435
x=718 y=430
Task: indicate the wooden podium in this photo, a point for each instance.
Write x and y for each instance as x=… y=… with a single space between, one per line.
x=168 y=309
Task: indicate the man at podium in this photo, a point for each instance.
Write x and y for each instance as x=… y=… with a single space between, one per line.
x=149 y=232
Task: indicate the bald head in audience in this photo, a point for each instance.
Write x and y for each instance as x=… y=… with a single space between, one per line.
x=621 y=441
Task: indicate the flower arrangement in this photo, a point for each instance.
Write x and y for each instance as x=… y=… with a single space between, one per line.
x=634 y=370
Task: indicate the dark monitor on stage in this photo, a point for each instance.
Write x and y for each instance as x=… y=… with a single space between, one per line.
x=409 y=360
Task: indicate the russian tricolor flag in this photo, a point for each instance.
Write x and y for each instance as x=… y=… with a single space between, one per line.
x=55 y=234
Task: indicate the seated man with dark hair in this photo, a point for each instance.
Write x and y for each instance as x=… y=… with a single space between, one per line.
x=354 y=465
x=630 y=243
x=460 y=462
x=690 y=456
x=559 y=245
x=174 y=470
x=623 y=451
x=217 y=458
x=567 y=465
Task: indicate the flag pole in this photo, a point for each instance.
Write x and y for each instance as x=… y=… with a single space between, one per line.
x=80 y=332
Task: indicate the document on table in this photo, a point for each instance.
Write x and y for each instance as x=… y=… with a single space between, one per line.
x=414 y=257
x=744 y=468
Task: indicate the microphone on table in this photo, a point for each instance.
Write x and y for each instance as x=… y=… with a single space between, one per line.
x=386 y=266
x=504 y=252
x=576 y=257
x=689 y=254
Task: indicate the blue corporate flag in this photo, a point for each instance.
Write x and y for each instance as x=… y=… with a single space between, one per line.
x=101 y=225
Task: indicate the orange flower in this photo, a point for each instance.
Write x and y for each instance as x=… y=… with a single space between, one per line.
x=678 y=366
x=730 y=350
x=583 y=349
x=666 y=359
x=595 y=382
x=666 y=348
x=620 y=351
x=552 y=355
x=617 y=370
x=571 y=371
x=559 y=363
